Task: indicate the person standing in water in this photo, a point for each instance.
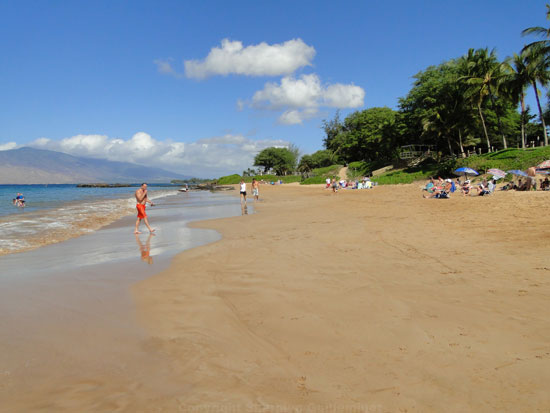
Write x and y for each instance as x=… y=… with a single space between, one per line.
x=255 y=189
x=142 y=200
x=243 y=192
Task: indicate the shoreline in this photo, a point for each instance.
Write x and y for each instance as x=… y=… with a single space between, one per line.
x=69 y=338
x=31 y=229
x=352 y=300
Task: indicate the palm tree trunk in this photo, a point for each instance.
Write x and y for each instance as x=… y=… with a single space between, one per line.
x=540 y=113
x=498 y=119
x=523 y=121
x=460 y=144
x=450 y=147
x=484 y=127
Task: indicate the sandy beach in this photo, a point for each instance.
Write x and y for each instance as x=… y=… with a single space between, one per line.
x=362 y=301
x=373 y=300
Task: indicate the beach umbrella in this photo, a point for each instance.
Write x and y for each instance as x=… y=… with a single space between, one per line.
x=465 y=172
x=497 y=172
x=517 y=172
x=544 y=165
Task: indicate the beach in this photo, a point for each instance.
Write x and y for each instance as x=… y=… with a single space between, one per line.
x=366 y=300
x=373 y=300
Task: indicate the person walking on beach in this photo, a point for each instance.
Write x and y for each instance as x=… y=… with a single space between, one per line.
x=243 y=192
x=142 y=200
x=255 y=189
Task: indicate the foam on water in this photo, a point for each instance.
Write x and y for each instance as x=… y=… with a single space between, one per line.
x=35 y=228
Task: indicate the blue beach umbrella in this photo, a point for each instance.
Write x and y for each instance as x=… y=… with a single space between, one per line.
x=465 y=172
x=517 y=172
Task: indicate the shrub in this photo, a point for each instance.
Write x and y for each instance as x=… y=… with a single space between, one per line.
x=315 y=180
x=229 y=179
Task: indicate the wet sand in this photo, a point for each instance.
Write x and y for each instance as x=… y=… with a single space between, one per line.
x=69 y=340
x=373 y=300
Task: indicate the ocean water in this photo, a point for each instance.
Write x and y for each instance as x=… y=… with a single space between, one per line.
x=54 y=213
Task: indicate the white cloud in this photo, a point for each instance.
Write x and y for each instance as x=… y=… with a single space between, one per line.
x=165 y=67
x=301 y=97
x=255 y=60
x=296 y=116
x=7 y=146
x=209 y=157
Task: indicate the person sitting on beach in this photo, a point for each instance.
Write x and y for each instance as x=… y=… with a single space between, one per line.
x=466 y=187
x=327 y=182
x=442 y=193
x=545 y=186
x=524 y=185
x=482 y=188
x=430 y=186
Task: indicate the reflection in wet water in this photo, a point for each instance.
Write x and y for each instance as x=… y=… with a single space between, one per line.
x=244 y=209
x=145 y=250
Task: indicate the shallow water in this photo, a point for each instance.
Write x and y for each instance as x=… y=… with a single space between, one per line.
x=55 y=213
x=67 y=331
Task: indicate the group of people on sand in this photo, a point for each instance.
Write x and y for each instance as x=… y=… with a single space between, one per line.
x=528 y=184
x=443 y=188
x=19 y=200
x=364 y=183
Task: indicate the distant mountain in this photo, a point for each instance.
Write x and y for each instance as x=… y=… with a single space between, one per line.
x=37 y=166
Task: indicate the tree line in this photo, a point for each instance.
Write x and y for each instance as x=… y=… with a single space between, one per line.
x=472 y=101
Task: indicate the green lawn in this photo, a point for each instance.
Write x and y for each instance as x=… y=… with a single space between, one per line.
x=505 y=159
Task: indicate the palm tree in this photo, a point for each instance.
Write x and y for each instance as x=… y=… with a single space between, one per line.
x=476 y=66
x=544 y=45
x=516 y=81
x=538 y=53
x=538 y=64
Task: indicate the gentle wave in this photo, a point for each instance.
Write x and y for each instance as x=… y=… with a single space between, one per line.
x=30 y=230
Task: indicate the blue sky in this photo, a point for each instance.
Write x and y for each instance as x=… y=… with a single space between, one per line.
x=108 y=79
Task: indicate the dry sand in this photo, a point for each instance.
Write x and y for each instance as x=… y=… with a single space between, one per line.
x=373 y=300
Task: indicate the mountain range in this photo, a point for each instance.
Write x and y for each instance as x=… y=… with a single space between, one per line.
x=37 y=166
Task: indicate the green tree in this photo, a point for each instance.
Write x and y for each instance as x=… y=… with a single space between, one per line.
x=516 y=82
x=368 y=135
x=306 y=164
x=538 y=65
x=281 y=160
x=538 y=57
x=436 y=111
x=323 y=158
x=484 y=76
x=543 y=46
x=332 y=129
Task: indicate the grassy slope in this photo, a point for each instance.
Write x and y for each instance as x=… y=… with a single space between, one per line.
x=505 y=159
